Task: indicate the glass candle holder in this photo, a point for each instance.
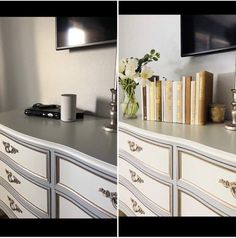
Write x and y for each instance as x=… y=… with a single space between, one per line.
x=217 y=112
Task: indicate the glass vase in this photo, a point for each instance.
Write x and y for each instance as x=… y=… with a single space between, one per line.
x=129 y=105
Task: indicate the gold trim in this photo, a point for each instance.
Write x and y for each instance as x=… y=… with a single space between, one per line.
x=13 y=205
x=135 y=178
x=111 y=195
x=47 y=189
x=134 y=147
x=58 y=182
x=230 y=185
x=203 y=158
x=9 y=148
x=46 y=152
x=158 y=144
x=82 y=198
x=136 y=208
x=11 y=178
x=169 y=185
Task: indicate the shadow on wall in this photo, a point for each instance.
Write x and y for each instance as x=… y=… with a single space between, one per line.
x=223 y=94
x=102 y=107
x=223 y=83
x=19 y=57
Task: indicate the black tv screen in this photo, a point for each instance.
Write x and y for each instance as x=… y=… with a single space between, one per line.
x=85 y=31
x=204 y=34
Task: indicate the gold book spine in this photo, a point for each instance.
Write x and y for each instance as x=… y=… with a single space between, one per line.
x=197 y=99
x=158 y=101
x=193 y=102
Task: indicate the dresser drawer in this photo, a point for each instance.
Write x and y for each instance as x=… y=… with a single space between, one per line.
x=67 y=209
x=133 y=203
x=99 y=191
x=31 y=158
x=33 y=193
x=157 y=156
x=158 y=192
x=19 y=210
x=189 y=206
x=211 y=178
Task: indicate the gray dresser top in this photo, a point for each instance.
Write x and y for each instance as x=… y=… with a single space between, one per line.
x=85 y=135
x=212 y=135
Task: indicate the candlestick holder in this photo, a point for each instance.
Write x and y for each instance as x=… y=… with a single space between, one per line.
x=232 y=125
x=112 y=127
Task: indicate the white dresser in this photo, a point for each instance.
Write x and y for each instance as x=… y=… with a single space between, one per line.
x=168 y=169
x=53 y=169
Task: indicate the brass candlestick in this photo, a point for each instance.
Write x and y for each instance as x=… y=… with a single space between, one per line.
x=112 y=127
x=232 y=125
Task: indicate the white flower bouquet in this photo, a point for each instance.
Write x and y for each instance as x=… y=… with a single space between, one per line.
x=132 y=72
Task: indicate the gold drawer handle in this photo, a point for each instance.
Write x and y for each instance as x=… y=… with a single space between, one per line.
x=14 y=207
x=135 y=177
x=134 y=147
x=136 y=207
x=11 y=178
x=230 y=185
x=9 y=148
x=111 y=195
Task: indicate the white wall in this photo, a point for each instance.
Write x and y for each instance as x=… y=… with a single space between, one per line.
x=140 y=33
x=31 y=70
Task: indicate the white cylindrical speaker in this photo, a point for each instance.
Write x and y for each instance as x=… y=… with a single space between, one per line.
x=68 y=107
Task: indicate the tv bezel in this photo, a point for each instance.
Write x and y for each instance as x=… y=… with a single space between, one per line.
x=205 y=52
x=107 y=42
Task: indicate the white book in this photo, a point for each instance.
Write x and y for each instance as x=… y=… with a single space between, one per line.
x=197 y=98
x=183 y=99
x=193 y=102
x=148 y=101
x=174 y=101
x=163 y=89
x=141 y=104
x=155 y=98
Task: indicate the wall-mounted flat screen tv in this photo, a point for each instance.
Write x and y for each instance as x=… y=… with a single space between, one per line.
x=204 y=34
x=74 y=32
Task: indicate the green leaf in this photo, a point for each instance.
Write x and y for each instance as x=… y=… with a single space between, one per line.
x=152 y=51
x=155 y=58
x=157 y=54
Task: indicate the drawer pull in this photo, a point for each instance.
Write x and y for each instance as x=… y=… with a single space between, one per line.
x=136 y=207
x=11 y=178
x=14 y=207
x=230 y=185
x=135 y=177
x=134 y=147
x=111 y=195
x=9 y=148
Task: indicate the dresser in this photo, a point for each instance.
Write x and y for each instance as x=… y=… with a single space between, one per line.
x=168 y=169
x=54 y=169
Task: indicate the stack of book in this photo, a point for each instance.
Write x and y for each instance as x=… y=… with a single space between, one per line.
x=184 y=101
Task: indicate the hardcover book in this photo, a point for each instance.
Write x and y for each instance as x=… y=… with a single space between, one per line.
x=188 y=80
x=152 y=98
x=168 y=100
x=143 y=103
x=205 y=95
x=193 y=102
x=158 y=101
x=179 y=101
x=174 y=101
